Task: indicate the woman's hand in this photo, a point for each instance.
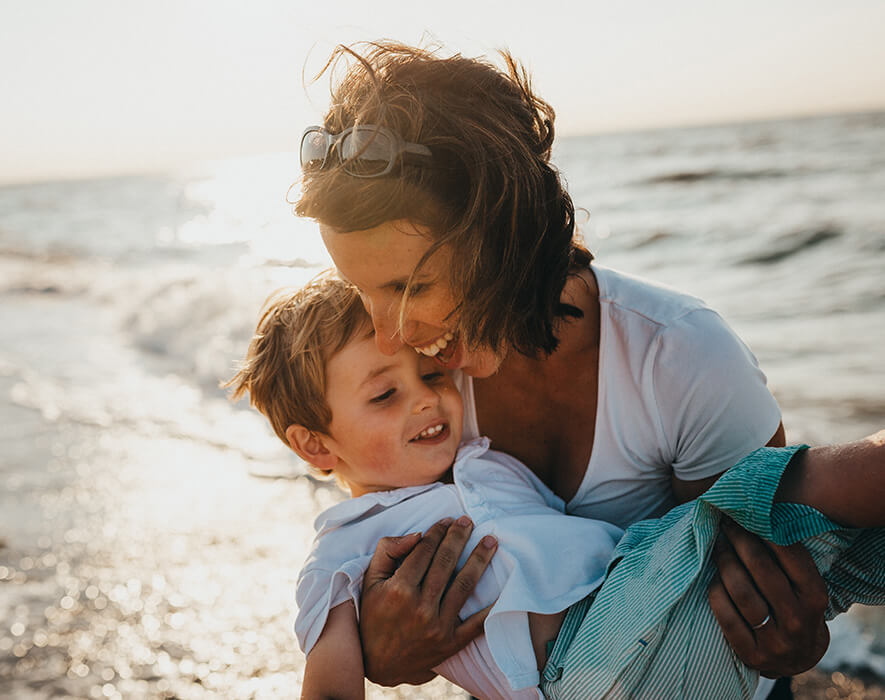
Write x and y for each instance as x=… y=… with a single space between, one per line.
x=409 y=610
x=778 y=586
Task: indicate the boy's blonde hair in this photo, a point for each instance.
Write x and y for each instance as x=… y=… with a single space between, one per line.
x=284 y=370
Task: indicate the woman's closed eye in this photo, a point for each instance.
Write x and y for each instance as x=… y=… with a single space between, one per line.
x=431 y=377
x=415 y=289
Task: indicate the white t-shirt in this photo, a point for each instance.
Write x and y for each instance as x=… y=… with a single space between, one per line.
x=679 y=393
x=545 y=561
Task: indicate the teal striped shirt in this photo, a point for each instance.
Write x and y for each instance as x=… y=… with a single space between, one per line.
x=649 y=632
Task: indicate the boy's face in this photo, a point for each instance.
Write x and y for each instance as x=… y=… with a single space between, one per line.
x=396 y=419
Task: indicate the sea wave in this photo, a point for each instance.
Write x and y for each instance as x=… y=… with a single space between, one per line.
x=696 y=176
x=792 y=243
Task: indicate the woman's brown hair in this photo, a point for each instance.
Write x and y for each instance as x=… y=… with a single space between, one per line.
x=489 y=191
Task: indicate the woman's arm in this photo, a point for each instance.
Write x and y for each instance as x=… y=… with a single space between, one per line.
x=844 y=482
x=756 y=579
x=334 y=669
x=410 y=603
x=847 y=484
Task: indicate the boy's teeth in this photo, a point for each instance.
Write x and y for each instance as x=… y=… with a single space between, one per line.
x=431 y=431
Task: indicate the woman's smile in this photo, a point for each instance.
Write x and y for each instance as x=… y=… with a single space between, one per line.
x=380 y=262
x=437 y=346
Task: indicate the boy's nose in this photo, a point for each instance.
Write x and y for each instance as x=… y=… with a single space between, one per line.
x=426 y=398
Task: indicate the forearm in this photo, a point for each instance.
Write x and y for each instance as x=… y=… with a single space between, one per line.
x=334 y=667
x=844 y=482
x=331 y=682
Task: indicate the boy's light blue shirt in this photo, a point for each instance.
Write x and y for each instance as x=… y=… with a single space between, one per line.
x=545 y=562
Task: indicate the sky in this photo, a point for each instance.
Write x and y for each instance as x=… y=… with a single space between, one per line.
x=96 y=87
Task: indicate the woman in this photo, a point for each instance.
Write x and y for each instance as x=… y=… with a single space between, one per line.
x=432 y=183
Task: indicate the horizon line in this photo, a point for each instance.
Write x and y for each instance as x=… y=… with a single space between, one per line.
x=114 y=172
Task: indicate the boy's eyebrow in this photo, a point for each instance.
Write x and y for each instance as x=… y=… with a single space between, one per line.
x=376 y=372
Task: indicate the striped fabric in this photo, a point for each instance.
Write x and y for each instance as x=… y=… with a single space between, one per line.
x=649 y=631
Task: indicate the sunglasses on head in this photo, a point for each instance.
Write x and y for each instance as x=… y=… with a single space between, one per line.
x=363 y=150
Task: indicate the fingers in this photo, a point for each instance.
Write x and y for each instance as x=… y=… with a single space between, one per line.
x=388 y=553
x=431 y=564
x=465 y=581
x=734 y=627
x=445 y=560
x=424 y=571
x=778 y=586
x=750 y=574
x=799 y=567
x=415 y=566
x=472 y=627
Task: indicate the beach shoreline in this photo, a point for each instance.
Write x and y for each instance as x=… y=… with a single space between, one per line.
x=122 y=577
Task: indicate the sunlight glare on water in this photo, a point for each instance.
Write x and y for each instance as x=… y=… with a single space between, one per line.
x=243 y=201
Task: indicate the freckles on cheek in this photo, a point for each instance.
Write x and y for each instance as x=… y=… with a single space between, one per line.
x=377 y=453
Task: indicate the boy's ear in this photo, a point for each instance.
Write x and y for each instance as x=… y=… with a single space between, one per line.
x=310 y=447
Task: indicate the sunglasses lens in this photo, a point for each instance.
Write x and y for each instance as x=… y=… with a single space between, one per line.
x=367 y=151
x=313 y=150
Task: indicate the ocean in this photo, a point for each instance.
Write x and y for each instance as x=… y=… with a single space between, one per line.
x=151 y=531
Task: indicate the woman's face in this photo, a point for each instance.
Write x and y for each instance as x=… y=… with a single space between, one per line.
x=379 y=261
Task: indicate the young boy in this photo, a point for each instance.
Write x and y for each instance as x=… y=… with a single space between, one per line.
x=629 y=615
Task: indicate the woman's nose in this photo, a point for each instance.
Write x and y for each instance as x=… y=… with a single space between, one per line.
x=387 y=335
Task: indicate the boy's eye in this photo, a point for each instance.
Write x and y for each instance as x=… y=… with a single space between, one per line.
x=382 y=397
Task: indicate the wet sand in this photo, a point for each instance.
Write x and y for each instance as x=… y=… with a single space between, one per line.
x=140 y=566
x=817 y=685
x=135 y=564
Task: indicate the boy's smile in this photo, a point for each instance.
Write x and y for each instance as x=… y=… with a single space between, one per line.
x=396 y=419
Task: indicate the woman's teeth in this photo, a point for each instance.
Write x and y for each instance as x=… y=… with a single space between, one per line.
x=432 y=431
x=440 y=344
